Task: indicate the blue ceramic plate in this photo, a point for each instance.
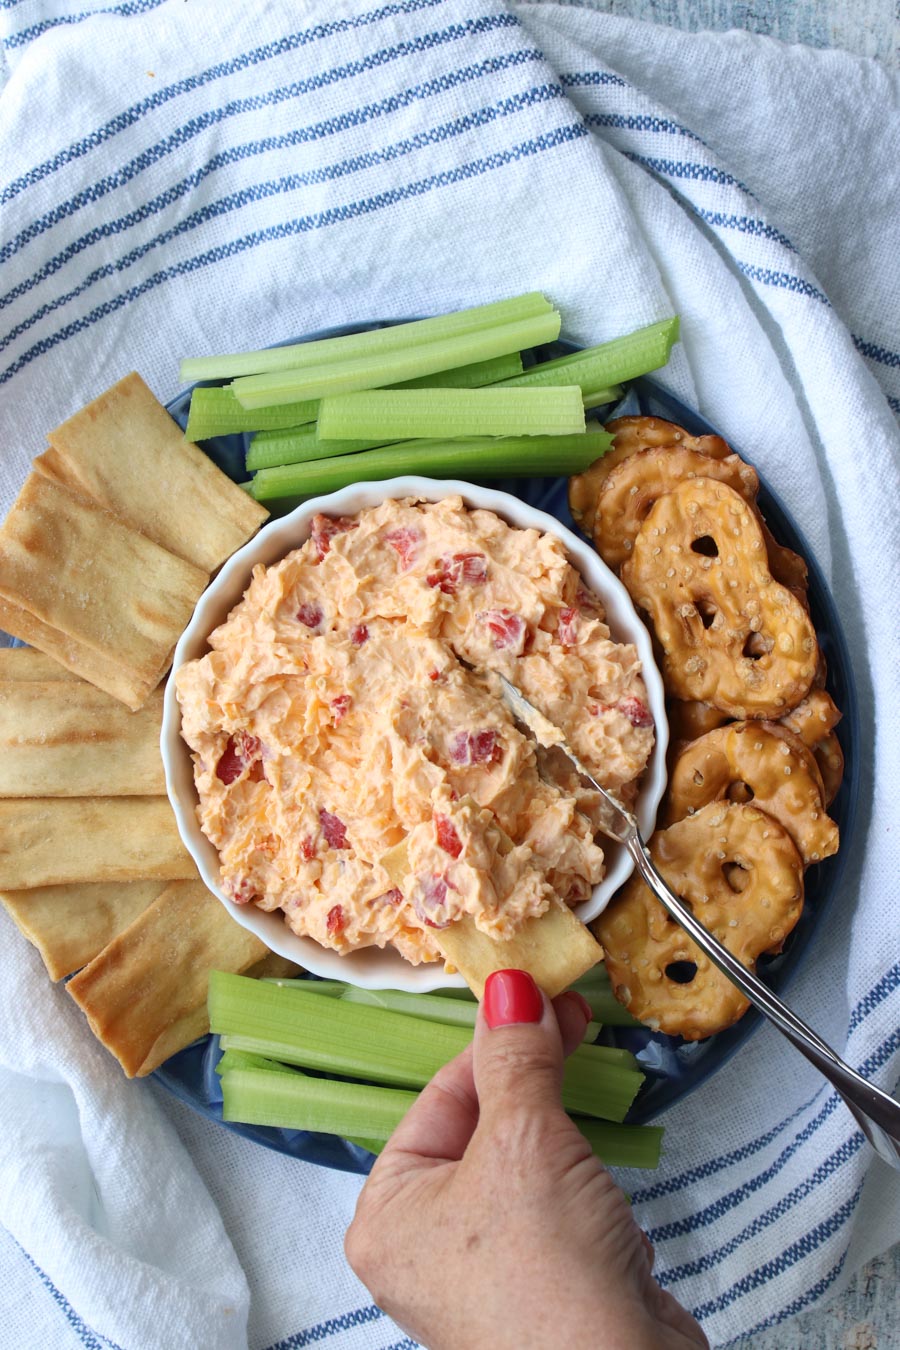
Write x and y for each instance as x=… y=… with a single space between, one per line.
x=673 y=1067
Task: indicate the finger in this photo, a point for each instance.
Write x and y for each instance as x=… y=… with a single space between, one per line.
x=442 y=1119
x=518 y=1047
x=573 y=1014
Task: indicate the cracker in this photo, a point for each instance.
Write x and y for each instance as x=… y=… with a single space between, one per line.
x=70 y=925
x=64 y=738
x=555 y=947
x=123 y=447
x=145 y=994
x=27 y=663
x=52 y=841
x=78 y=569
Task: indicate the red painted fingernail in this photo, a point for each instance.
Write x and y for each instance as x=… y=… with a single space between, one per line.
x=511 y=996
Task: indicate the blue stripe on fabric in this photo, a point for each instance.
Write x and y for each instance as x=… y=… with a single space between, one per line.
x=680 y=168
x=302 y=135
x=94 y=1340
x=177 y=139
x=709 y=1260
x=888 y=984
x=797 y=1251
x=795 y=1306
x=273 y=187
x=638 y=122
x=244 y=61
x=708 y=1169
x=322 y=1330
x=126 y=11
x=581 y=79
x=867 y=1005
x=302 y=225
x=786 y=280
x=727 y=1202
x=876 y=353
x=746 y=225
x=894 y=403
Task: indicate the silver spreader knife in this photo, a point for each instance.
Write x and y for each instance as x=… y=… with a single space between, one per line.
x=877 y=1114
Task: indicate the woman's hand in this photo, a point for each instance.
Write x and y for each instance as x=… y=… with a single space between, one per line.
x=488 y=1222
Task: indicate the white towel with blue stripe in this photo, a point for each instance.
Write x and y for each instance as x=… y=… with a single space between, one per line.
x=185 y=178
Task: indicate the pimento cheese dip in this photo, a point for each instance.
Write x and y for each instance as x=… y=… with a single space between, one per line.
x=349 y=702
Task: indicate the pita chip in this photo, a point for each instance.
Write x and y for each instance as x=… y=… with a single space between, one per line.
x=70 y=925
x=27 y=663
x=77 y=569
x=153 y=977
x=64 y=738
x=55 y=841
x=123 y=446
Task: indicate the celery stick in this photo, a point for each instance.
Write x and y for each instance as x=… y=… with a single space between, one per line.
x=399 y=414
x=473 y=376
x=427 y=1006
x=623 y=358
x=316 y=1033
x=622 y=1145
x=507 y=457
x=215 y=411
x=373 y=1145
x=297 y=1102
x=597 y=397
x=368 y=1115
x=299 y=446
x=366 y=344
x=378 y=368
x=385 y=1047
x=240 y=1059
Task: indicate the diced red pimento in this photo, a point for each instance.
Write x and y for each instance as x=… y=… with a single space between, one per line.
x=567 y=627
x=457 y=569
x=339 y=707
x=310 y=613
x=392 y=897
x=405 y=541
x=333 y=828
x=324 y=528
x=359 y=634
x=430 y=901
x=636 y=710
x=446 y=836
x=508 y=630
x=242 y=751
x=335 y=919
x=308 y=848
x=240 y=891
x=475 y=747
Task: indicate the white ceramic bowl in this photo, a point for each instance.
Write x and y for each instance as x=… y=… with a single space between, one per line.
x=373 y=968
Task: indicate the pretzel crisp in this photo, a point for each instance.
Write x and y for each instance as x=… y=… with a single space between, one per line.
x=730 y=635
x=631 y=488
x=631 y=436
x=743 y=877
x=763 y=763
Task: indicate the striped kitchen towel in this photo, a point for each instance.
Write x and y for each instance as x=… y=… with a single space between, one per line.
x=180 y=178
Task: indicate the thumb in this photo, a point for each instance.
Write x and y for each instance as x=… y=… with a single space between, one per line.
x=518 y=1048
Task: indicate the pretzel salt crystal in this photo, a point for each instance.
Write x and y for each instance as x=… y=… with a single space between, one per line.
x=763 y=763
x=742 y=875
x=730 y=634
